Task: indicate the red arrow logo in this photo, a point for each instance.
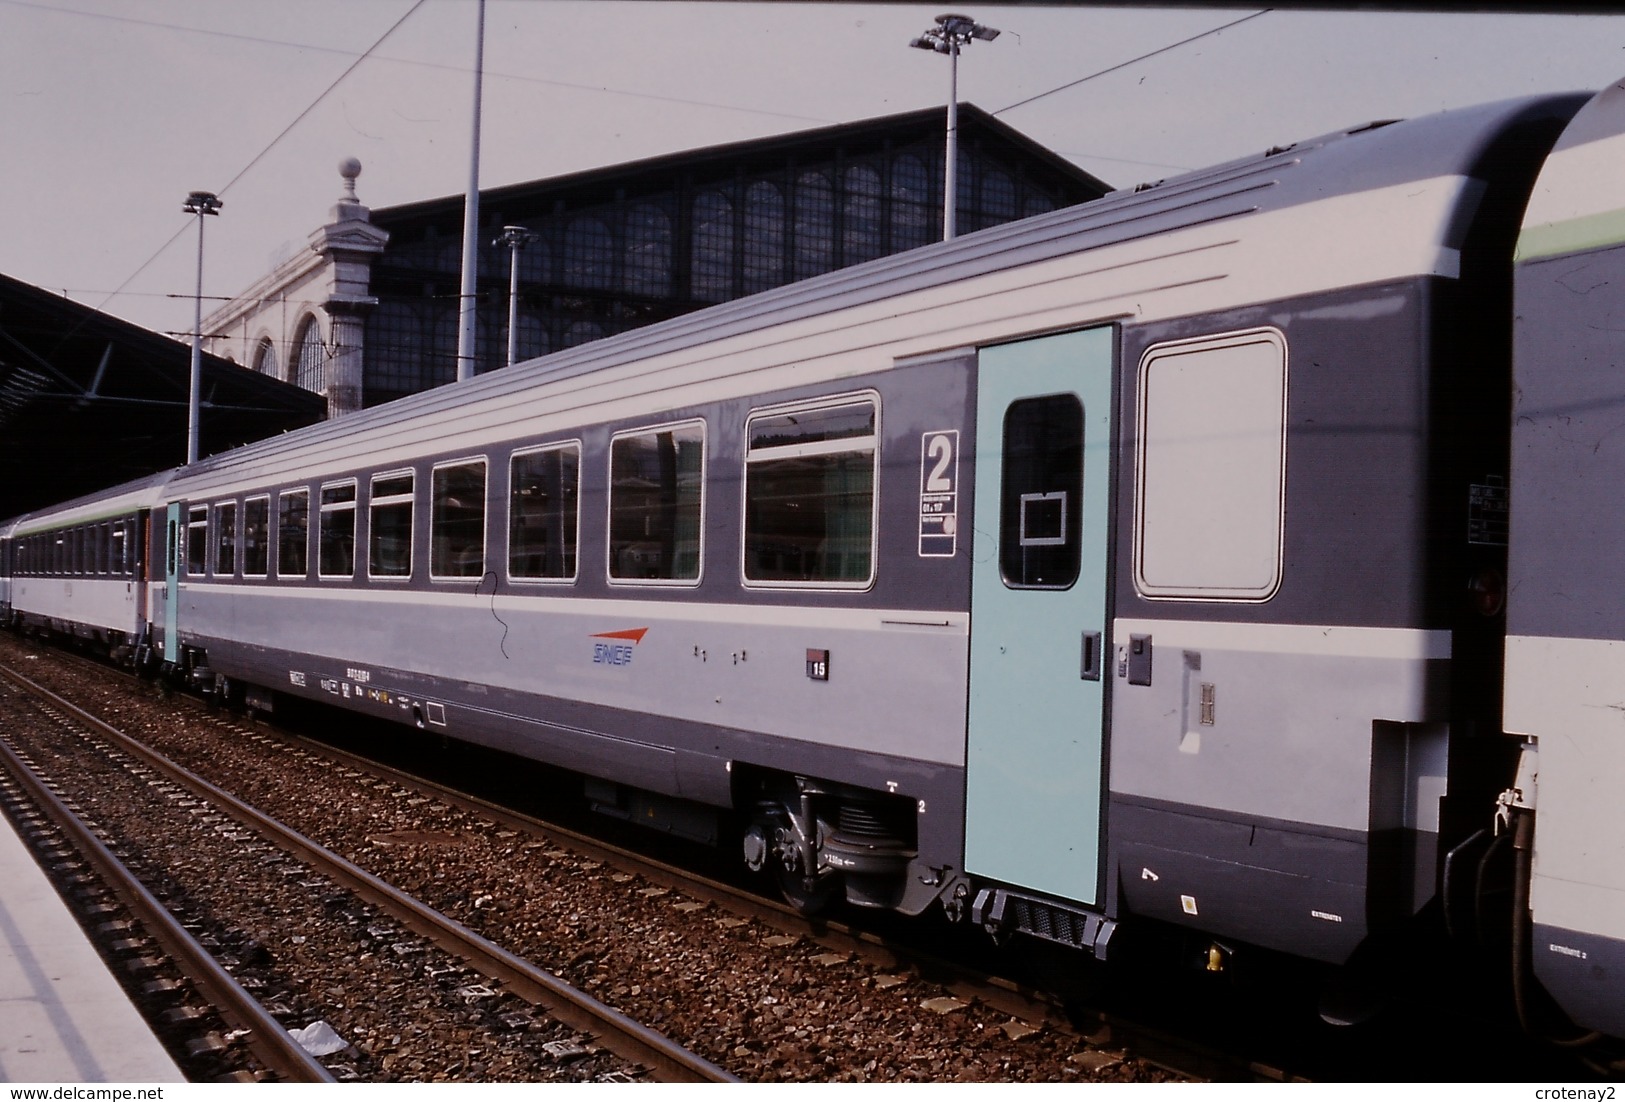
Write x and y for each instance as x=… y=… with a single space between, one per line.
x=634 y=634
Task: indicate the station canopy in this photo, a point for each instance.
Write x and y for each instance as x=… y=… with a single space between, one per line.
x=88 y=401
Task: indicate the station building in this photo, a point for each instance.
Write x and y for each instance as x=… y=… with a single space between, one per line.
x=369 y=311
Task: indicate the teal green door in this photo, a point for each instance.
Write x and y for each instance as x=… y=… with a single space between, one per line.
x=1039 y=666
x=172 y=570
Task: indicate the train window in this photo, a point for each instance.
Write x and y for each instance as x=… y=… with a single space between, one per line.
x=544 y=512
x=197 y=539
x=1209 y=496
x=656 y=503
x=293 y=534
x=335 y=555
x=389 y=526
x=810 y=494
x=457 y=521
x=256 y=537
x=117 y=562
x=225 y=539
x=1041 y=493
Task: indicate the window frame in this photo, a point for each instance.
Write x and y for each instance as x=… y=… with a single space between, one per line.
x=1217 y=342
x=484 y=463
x=780 y=409
x=374 y=502
x=265 y=538
x=323 y=509
x=508 y=514
x=609 y=506
x=197 y=521
x=225 y=535
x=294 y=491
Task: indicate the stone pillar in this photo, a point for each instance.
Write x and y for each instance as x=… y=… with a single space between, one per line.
x=344 y=364
x=348 y=245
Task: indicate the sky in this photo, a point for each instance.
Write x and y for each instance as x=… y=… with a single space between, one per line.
x=114 y=110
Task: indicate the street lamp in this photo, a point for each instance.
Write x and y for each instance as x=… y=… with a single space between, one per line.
x=199 y=203
x=951 y=33
x=516 y=238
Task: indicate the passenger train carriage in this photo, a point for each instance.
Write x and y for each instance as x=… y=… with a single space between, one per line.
x=1142 y=562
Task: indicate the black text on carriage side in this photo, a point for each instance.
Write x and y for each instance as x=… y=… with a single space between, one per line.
x=1140 y=562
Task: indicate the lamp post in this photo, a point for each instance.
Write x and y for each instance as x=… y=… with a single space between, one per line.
x=467 y=302
x=951 y=33
x=516 y=238
x=199 y=203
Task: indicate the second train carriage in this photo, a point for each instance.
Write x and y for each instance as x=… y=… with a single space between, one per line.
x=1140 y=560
x=80 y=570
x=1565 y=617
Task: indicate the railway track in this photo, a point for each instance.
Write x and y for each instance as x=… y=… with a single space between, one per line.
x=752 y=986
x=319 y=871
x=935 y=995
x=127 y=923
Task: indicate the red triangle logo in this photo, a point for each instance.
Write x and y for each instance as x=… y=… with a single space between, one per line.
x=634 y=634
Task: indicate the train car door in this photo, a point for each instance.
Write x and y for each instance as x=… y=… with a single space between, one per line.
x=172 y=568
x=1034 y=749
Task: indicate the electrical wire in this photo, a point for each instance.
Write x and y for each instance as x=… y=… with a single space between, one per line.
x=261 y=155
x=310 y=47
x=1132 y=61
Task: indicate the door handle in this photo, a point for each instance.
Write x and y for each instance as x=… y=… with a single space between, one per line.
x=1089 y=666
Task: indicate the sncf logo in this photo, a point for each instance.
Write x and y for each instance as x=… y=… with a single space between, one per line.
x=616 y=648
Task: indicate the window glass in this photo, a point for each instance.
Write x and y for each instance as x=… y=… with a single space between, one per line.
x=713 y=247
x=265 y=358
x=336 y=535
x=119 y=563
x=292 y=531
x=1212 y=468
x=860 y=206
x=543 y=513
x=309 y=366
x=396 y=363
x=389 y=526
x=589 y=254
x=457 y=524
x=810 y=495
x=916 y=212
x=764 y=237
x=225 y=528
x=1041 y=493
x=256 y=536
x=197 y=539
x=648 y=251
x=813 y=228
x=655 y=504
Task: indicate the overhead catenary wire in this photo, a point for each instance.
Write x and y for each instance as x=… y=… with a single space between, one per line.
x=450 y=67
x=272 y=144
x=1132 y=61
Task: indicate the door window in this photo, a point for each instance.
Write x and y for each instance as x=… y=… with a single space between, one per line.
x=1041 y=493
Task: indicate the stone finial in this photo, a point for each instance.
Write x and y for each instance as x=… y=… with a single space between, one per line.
x=349 y=208
x=349 y=168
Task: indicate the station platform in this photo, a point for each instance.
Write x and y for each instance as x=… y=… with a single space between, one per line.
x=63 y=1017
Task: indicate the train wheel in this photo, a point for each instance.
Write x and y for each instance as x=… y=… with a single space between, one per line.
x=809 y=899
